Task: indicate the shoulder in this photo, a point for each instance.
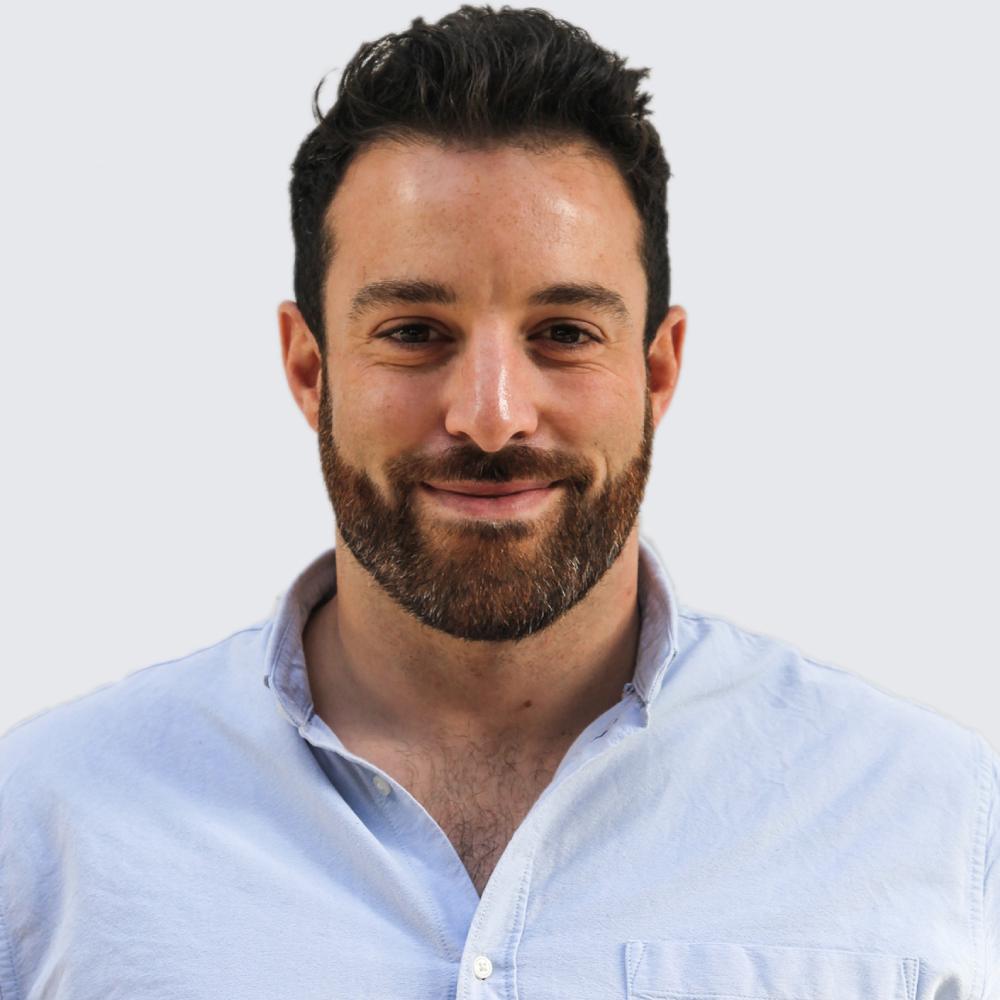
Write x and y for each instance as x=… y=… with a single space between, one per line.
x=847 y=791
x=830 y=718
x=725 y=655
x=128 y=784
x=151 y=711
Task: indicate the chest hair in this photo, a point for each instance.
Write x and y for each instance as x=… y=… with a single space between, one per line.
x=479 y=793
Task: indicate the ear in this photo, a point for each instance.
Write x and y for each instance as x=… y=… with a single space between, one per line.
x=663 y=361
x=300 y=354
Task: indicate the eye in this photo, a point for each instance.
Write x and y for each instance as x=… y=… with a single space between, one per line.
x=567 y=334
x=412 y=334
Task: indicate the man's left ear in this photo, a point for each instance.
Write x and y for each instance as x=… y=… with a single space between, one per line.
x=663 y=361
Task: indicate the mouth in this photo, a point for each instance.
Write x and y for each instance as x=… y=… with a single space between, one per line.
x=518 y=498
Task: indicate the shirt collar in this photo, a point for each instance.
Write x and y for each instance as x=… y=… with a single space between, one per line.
x=658 y=631
x=285 y=659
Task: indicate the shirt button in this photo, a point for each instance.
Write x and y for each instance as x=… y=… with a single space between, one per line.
x=381 y=785
x=482 y=967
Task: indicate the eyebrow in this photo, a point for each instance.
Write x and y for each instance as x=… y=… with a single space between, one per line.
x=399 y=291
x=584 y=294
x=416 y=291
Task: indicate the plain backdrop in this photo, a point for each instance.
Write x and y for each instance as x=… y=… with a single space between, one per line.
x=828 y=473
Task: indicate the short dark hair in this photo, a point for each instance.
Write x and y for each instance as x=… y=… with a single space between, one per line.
x=476 y=77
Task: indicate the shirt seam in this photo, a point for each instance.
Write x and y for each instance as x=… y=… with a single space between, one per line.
x=911 y=973
x=638 y=962
x=520 y=915
x=480 y=917
x=383 y=804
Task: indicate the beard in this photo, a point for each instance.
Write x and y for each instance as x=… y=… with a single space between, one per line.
x=484 y=580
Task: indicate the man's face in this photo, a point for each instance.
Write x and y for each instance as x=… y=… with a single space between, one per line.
x=485 y=423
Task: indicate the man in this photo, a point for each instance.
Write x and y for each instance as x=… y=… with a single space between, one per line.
x=491 y=757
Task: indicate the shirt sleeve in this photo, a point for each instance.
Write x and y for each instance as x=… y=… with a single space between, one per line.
x=991 y=886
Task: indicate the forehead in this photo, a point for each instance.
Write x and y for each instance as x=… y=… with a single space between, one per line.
x=503 y=215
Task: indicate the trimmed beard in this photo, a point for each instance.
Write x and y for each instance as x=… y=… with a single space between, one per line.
x=483 y=580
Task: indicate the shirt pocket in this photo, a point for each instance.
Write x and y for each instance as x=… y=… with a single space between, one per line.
x=678 y=970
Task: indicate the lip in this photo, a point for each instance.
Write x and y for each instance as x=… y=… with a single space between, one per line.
x=491 y=500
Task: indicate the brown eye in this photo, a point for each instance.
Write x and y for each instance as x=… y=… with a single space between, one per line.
x=566 y=334
x=413 y=334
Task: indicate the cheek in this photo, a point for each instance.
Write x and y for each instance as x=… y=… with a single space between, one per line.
x=603 y=412
x=379 y=412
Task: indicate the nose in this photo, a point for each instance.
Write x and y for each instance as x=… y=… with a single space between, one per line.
x=491 y=397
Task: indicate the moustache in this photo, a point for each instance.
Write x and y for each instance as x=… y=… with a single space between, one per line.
x=469 y=463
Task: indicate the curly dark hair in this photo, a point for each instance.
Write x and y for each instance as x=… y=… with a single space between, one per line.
x=476 y=77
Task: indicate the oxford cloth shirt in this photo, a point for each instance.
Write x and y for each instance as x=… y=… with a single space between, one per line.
x=742 y=824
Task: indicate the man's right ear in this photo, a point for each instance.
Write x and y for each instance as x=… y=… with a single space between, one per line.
x=300 y=354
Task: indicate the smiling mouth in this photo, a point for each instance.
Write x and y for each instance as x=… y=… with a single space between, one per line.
x=473 y=489
x=478 y=499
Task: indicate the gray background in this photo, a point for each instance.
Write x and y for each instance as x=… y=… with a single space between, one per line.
x=828 y=473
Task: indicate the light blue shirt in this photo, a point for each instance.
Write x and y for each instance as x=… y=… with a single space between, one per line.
x=744 y=823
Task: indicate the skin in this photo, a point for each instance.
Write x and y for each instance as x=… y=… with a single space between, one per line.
x=474 y=730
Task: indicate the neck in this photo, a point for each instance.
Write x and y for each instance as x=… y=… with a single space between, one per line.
x=380 y=677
